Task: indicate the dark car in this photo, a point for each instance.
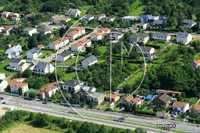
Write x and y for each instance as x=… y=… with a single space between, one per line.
x=2 y=98
x=44 y=103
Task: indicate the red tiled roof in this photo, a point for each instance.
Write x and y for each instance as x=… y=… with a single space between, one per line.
x=47 y=88
x=73 y=32
x=104 y=34
x=106 y=29
x=78 y=44
x=80 y=28
x=97 y=33
x=136 y=100
x=18 y=84
x=197 y=61
x=179 y=104
x=142 y=23
x=86 y=40
x=169 y=91
x=54 y=17
x=41 y=45
x=4 y=12
x=56 y=42
x=64 y=38
x=113 y=96
x=196 y=107
x=128 y=99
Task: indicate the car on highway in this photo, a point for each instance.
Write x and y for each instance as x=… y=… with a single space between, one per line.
x=122 y=119
x=61 y=103
x=2 y=98
x=126 y=116
x=44 y=102
x=4 y=102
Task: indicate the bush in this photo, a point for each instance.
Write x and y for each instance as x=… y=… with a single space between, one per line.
x=145 y=112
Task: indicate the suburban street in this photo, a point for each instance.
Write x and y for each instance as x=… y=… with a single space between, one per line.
x=52 y=108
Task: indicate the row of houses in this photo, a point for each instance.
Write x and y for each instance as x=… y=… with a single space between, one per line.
x=16 y=16
x=99 y=35
x=7 y=30
x=59 y=19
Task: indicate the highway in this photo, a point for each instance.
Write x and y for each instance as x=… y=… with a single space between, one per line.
x=52 y=108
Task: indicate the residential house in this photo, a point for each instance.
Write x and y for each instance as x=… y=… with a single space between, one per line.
x=129 y=18
x=196 y=63
x=44 y=30
x=158 y=22
x=65 y=11
x=55 y=44
x=142 y=25
x=132 y=101
x=100 y=16
x=138 y=38
x=17 y=64
x=81 y=31
x=183 y=38
x=40 y=46
x=73 y=12
x=145 y=18
x=5 y=14
x=64 y=56
x=160 y=92
x=29 y=31
x=80 y=46
x=17 y=83
x=1 y=29
x=74 y=34
x=163 y=36
x=99 y=35
x=105 y=30
x=89 y=61
x=13 y=14
x=15 y=19
x=34 y=53
x=3 y=82
x=64 y=40
x=180 y=107
x=88 y=89
x=188 y=23
x=48 y=90
x=6 y=30
x=43 y=68
x=162 y=17
x=116 y=35
x=53 y=18
x=145 y=50
x=163 y=100
x=196 y=108
x=72 y=86
x=61 y=20
x=108 y=19
x=2 y=75
x=86 y=42
x=87 y=17
x=29 y=16
x=13 y=52
x=114 y=97
x=96 y=97
x=151 y=57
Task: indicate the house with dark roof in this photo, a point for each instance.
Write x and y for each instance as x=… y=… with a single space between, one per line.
x=72 y=86
x=163 y=36
x=29 y=16
x=73 y=12
x=96 y=97
x=89 y=61
x=43 y=68
x=145 y=50
x=17 y=64
x=138 y=38
x=34 y=53
x=61 y=20
x=196 y=63
x=148 y=18
x=87 y=17
x=158 y=22
x=163 y=100
x=29 y=31
x=100 y=16
x=180 y=107
x=64 y=56
x=183 y=38
x=13 y=52
x=188 y=23
x=17 y=83
x=107 y=19
x=160 y=92
x=88 y=89
x=48 y=90
x=44 y=30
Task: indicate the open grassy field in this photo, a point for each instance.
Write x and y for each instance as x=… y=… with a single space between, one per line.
x=45 y=53
x=3 y=68
x=193 y=101
x=139 y=11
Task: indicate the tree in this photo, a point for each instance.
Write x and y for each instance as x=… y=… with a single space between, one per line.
x=127 y=88
x=20 y=91
x=103 y=129
x=31 y=116
x=27 y=73
x=70 y=130
x=193 y=113
x=127 y=107
x=75 y=98
x=134 y=108
x=25 y=94
x=140 y=130
x=32 y=94
x=179 y=98
x=42 y=119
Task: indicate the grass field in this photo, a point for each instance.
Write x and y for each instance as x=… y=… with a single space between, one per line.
x=3 y=68
x=143 y=105
x=69 y=76
x=138 y=11
x=72 y=61
x=193 y=101
x=187 y=100
x=45 y=54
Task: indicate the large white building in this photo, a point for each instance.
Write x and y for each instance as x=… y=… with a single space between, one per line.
x=13 y=52
x=29 y=31
x=129 y=18
x=43 y=68
x=34 y=53
x=89 y=61
x=17 y=64
x=48 y=90
x=183 y=38
x=18 y=83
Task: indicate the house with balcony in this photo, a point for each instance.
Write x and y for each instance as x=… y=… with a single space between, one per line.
x=96 y=97
x=48 y=90
x=72 y=86
x=138 y=38
x=5 y=14
x=180 y=107
x=89 y=61
x=29 y=31
x=145 y=50
x=162 y=36
x=196 y=108
x=81 y=30
x=43 y=68
x=13 y=52
x=163 y=100
x=143 y=26
x=17 y=83
x=100 y=16
x=64 y=56
x=17 y=64
x=183 y=38
x=34 y=53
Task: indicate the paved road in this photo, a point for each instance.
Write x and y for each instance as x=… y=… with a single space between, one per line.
x=50 y=58
x=112 y=115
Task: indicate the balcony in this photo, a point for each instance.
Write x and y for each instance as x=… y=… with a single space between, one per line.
x=11 y=68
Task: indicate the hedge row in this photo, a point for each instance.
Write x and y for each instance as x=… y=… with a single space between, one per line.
x=194 y=120
x=146 y=112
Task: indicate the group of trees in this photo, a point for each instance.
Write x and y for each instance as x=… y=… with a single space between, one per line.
x=42 y=120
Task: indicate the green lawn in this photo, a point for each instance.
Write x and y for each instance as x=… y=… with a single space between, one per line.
x=187 y=100
x=143 y=105
x=3 y=68
x=72 y=61
x=69 y=76
x=102 y=49
x=180 y=117
x=45 y=53
x=199 y=103
x=137 y=11
x=158 y=43
x=193 y=101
